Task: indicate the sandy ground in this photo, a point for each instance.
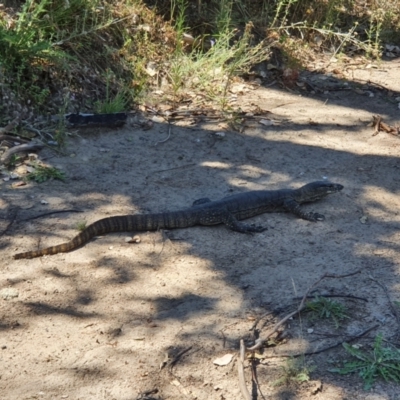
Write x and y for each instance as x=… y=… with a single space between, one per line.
x=97 y=323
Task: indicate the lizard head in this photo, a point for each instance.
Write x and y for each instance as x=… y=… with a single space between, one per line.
x=319 y=189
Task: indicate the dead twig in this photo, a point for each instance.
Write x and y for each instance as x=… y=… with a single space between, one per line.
x=13 y=139
x=392 y=306
x=171 y=169
x=23 y=148
x=242 y=381
x=169 y=135
x=346 y=340
x=40 y=133
x=178 y=357
x=379 y=126
x=50 y=213
x=346 y=296
x=254 y=326
x=8 y=128
x=256 y=385
x=259 y=342
x=171 y=363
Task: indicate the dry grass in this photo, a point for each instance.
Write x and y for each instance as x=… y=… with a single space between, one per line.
x=74 y=55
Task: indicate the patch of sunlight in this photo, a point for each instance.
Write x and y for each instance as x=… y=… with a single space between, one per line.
x=216 y=164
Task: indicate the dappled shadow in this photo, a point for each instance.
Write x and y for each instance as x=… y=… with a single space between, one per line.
x=120 y=274
x=150 y=286
x=41 y=308
x=181 y=308
x=56 y=273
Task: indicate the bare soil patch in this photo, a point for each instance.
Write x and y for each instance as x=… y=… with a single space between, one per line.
x=97 y=323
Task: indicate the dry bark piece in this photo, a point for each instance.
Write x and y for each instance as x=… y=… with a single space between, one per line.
x=379 y=126
x=224 y=360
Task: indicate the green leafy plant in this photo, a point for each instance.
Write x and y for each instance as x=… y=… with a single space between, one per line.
x=15 y=158
x=43 y=173
x=380 y=362
x=112 y=104
x=322 y=307
x=81 y=225
x=295 y=370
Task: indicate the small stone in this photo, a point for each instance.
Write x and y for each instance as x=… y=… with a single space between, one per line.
x=135 y=239
x=9 y=293
x=224 y=360
x=13 y=175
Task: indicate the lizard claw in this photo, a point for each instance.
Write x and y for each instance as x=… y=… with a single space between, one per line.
x=318 y=217
x=257 y=229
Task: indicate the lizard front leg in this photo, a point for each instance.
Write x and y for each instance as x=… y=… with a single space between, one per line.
x=294 y=207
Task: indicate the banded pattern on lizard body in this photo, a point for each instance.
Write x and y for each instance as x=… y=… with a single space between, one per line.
x=229 y=211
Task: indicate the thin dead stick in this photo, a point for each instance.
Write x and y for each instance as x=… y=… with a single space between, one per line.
x=178 y=357
x=50 y=213
x=346 y=340
x=23 y=148
x=10 y=126
x=13 y=139
x=259 y=342
x=370 y=82
x=171 y=169
x=255 y=379
x=346 y=296
x=242 y=381
x=254 y=326
x=169 y=135
x=392 y=307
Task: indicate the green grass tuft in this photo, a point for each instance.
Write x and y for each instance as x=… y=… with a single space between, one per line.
x=380 y=362
x=322 y=308
x=294 y=370
x=81 y=226
x=43 y=173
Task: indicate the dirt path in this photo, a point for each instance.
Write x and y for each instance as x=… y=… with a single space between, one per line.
x=96 y=323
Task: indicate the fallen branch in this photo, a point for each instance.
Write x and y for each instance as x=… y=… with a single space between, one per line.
x=23 y=148
x=242 y=381
x=349 y=296
x=12 y=138
x=346 y=340
x=259 y=342
x=380 y=126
